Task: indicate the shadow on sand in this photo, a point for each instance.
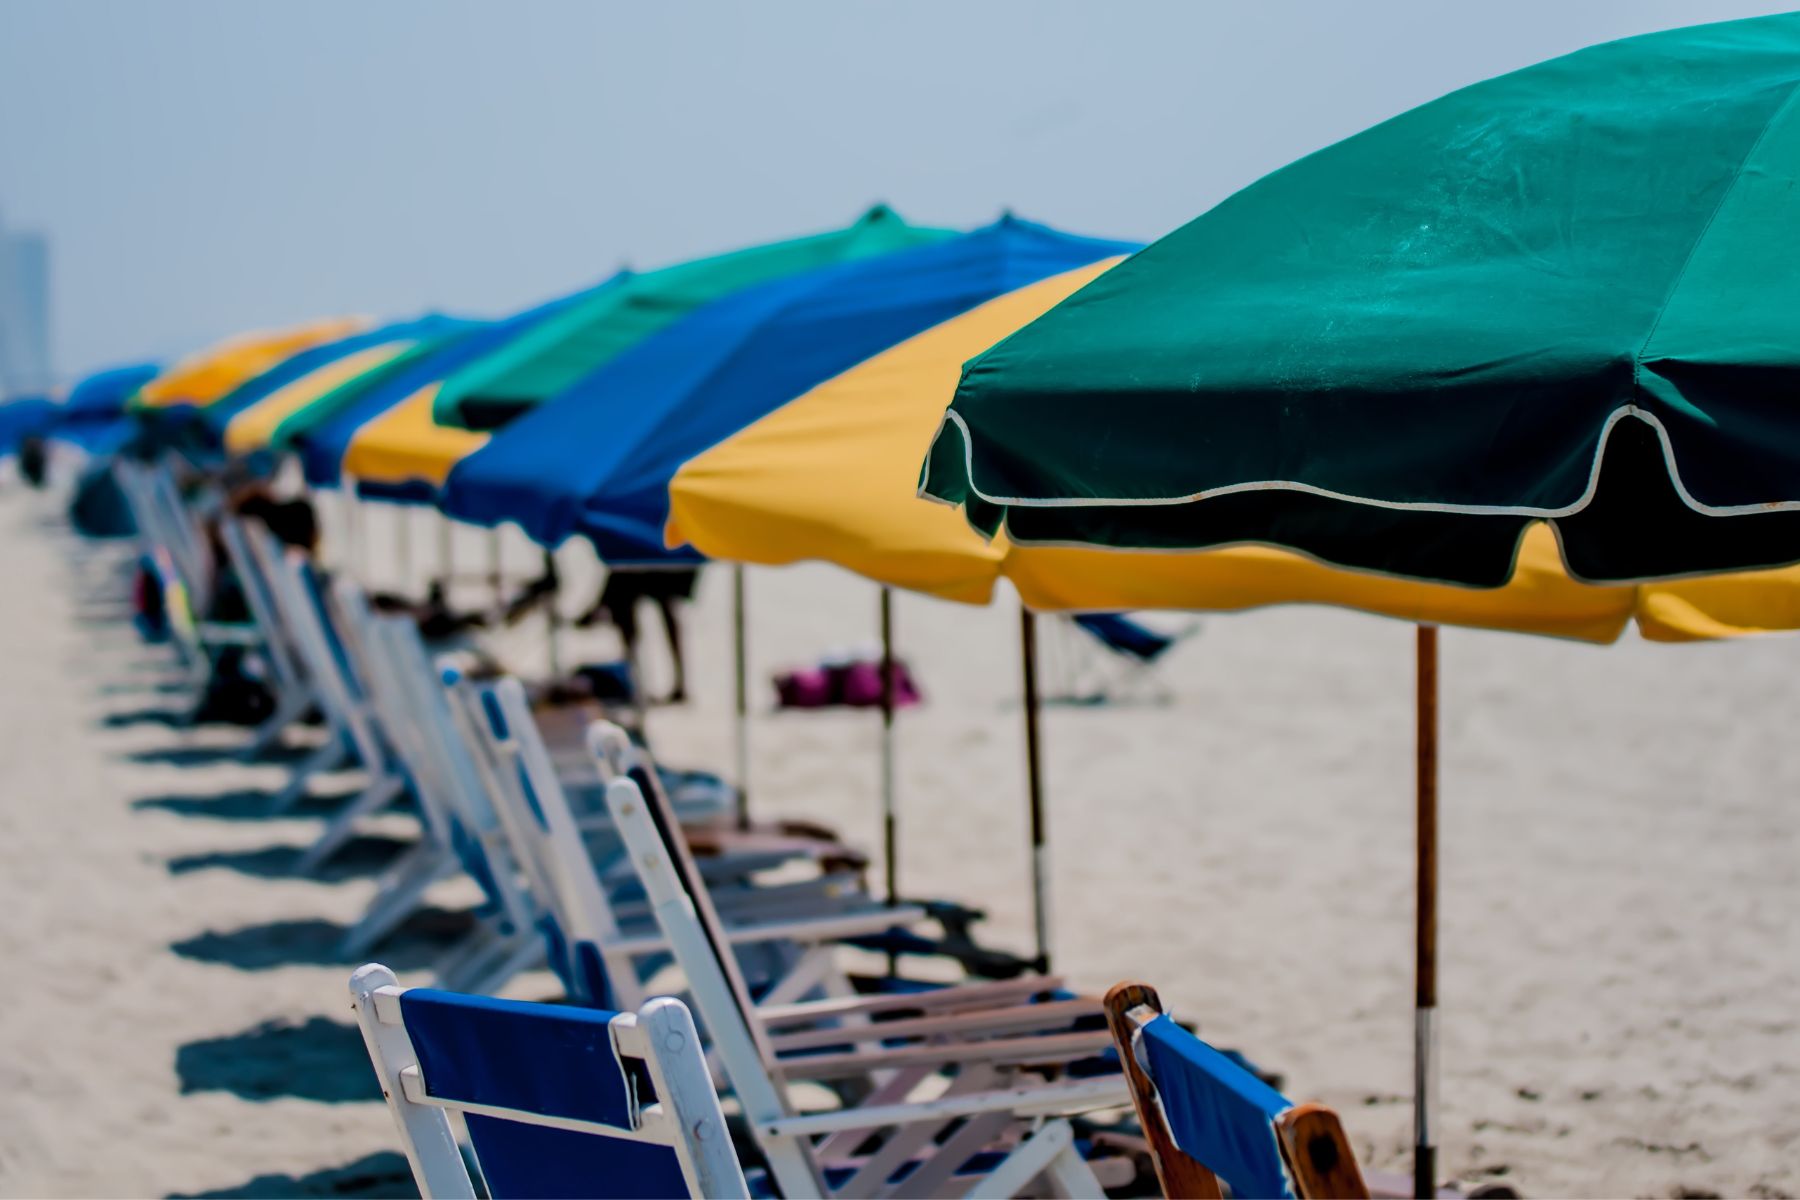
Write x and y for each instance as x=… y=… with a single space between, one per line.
x=420 y=941
x=243 y=804
x=206 y=756
x=361 y=857
x=316 y=1059
x=380 y=1176
x=168 y=718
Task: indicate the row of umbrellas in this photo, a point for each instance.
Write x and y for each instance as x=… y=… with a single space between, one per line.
x=1518 y=359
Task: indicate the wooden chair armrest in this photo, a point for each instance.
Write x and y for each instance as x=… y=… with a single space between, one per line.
x=1042 y=1050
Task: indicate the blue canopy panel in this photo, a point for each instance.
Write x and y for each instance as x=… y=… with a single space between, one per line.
x=104 y=394
x=322 y=449
x=216 y=416
x=597 y=459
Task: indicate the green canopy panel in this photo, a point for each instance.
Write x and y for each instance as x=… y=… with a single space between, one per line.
x=1567 y=293
x=587 y=336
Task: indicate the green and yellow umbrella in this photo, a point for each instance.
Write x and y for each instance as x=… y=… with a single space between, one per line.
x=832 y=475
x=1560 y=298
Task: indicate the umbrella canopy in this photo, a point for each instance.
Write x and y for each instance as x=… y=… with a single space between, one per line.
x=104 y=394
x=590 y=334
x=598 y=459
x=323 y=431
x=24 y=417
x=830 y=477
x=1564 y=294
x=202 y=378
x=93 y=414
x=406 y=448
x=260 y=403
x=259 y=425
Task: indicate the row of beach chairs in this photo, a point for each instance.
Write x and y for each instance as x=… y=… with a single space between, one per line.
x=705 y=967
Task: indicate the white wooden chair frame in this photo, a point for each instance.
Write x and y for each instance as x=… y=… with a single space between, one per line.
x=686 y=1116
x=986 y=1096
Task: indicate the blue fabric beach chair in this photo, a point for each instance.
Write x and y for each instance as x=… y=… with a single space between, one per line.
x=557 y=1101
x=1109 y=658
x=1209 y=1119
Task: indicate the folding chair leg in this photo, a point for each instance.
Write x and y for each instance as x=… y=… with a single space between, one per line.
x=1050 y=1153
x=330 y=756
x=455 y=961
x=527 y=952
x=292 y=707
x=400 y=895
x=380 y=793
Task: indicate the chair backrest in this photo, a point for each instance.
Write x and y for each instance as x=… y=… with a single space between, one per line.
x=284 y=656
x=685 y=912
x=1122 y=635
x=557 y=1101
x=580 y=926
x=1207 y=1118
x=295 y=589
x=423 y=715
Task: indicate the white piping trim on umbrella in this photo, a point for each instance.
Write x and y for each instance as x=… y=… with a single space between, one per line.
x=1289 y=485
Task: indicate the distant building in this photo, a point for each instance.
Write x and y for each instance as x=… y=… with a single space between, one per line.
x=24 y=313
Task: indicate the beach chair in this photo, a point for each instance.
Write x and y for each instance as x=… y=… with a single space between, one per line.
x=295 y=698
x=1109 y=658
x=459 y=829
x=994 y=1066
x=353 y=738
x=182 y=571
x=1208 y=1119
x=599 y=933
x=556 y=1101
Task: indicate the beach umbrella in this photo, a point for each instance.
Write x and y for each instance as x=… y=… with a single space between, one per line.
x=242 y=417
x=590 y=334
x=597 y=460
x=1564 y=294
x=1559 y=296
x=202 y=378
x=830 y=477
x=92 y=415
x=322 y=431
x=24 y=417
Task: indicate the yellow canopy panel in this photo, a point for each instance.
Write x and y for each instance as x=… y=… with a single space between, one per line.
x=834 y=474
x=202 y=378
x=405 y=445
x=255 y=427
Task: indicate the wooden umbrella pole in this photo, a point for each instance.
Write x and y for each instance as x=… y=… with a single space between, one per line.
x=553 y=618
x=496 y=576
x=1425 y=1077
x=403 y=555
x=1034 y=789
x=740 y=656
x=446 y=551
x=890 y=849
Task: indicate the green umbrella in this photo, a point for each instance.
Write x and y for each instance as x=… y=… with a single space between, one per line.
x=589 y=335
x=1566 y=294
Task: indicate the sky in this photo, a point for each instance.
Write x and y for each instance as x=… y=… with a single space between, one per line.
x=208 y=166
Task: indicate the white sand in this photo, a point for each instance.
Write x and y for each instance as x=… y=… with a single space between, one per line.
x=1621 y=874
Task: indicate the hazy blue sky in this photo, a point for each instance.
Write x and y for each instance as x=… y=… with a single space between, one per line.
x=204 y=166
